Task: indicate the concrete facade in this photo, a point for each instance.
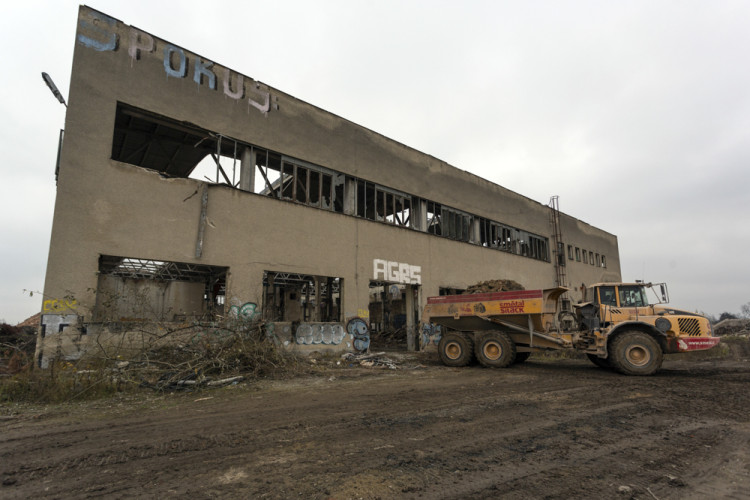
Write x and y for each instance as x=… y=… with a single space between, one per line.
x=124 y=192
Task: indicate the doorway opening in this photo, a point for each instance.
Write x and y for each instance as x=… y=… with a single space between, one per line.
x=394 y=314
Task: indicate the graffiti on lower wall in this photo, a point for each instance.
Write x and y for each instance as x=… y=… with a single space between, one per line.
x=357 y=328
x=68 y=348
x=363 y=313
x=430 y=334
x=247 y=311
x=59 y=305
x=319 y=333
x=56 y=323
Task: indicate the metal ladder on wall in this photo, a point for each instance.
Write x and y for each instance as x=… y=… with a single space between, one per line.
x=554 y=205
x=562 y=278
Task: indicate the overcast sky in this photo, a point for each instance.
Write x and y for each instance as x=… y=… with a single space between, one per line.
x=637 y=114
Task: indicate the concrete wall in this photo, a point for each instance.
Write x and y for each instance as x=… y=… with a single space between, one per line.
x=105 y=207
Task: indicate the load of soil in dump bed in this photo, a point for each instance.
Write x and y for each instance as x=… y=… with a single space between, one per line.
x=494 y=286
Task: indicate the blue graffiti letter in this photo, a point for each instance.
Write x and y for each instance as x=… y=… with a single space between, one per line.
x=202 y=68
x=181 y=72
x=110 y=37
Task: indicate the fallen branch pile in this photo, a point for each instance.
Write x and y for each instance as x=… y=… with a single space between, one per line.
x=377 y=359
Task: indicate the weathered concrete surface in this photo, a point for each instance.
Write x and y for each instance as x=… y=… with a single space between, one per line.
x=108 y=207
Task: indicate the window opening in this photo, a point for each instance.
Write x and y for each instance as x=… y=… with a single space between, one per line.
x=300 y=297
x=136 y=289
x=181 y=149
x=607 y=296
x=633 y=296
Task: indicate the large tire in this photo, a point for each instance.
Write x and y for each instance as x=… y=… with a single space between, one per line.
x=600 y=362
x=521 y=357
x=635 y=353
x=495 y=350
x=455 y=349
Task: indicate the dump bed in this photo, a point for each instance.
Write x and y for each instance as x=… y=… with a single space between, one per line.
x=526 y=309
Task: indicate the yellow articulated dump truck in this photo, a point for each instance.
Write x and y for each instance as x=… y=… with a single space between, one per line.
x=615 y=326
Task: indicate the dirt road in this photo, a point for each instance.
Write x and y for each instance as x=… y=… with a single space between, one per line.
x=561 y=429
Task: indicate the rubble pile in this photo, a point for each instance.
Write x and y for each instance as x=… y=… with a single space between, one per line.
x=389 y=338
x=377 y=359
x=494 y=286
x=737 y=327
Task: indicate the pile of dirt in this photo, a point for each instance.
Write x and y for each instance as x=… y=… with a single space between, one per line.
x=738 y=327
x=32 y=322
x=494 y=286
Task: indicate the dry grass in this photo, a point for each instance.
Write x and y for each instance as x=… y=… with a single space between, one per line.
x=214 y=354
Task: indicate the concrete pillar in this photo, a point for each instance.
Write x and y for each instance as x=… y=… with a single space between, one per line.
x=350 y=196
x=410 y=327
x=419 y=214
x=476 y=236
x=315 y=316
x=247 y=170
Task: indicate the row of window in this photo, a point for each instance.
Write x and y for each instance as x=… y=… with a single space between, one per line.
x=182 y=150
x=290 y=179
x=589 y=257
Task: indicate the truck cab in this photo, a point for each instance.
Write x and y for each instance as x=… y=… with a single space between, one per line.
x=614 y=310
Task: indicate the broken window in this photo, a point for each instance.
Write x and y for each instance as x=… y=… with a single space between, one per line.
x=269 y=168
x=181 y=149
x=434 y=218
x=133 y=289
x=298 y=297
x=456 y=224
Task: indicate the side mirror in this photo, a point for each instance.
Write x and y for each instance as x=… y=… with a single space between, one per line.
x=663 y=292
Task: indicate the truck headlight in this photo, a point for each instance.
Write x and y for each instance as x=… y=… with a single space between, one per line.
x=663 y=324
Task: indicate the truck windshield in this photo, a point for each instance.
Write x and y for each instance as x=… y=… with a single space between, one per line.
x=633 y=296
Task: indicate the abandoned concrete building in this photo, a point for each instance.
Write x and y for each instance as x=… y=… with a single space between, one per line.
x=187 y=192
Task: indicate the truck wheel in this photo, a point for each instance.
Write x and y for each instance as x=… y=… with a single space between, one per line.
x=495 y=350
x=521 y=357
x=600 y=362
x=455 y=349
x=636 y=353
